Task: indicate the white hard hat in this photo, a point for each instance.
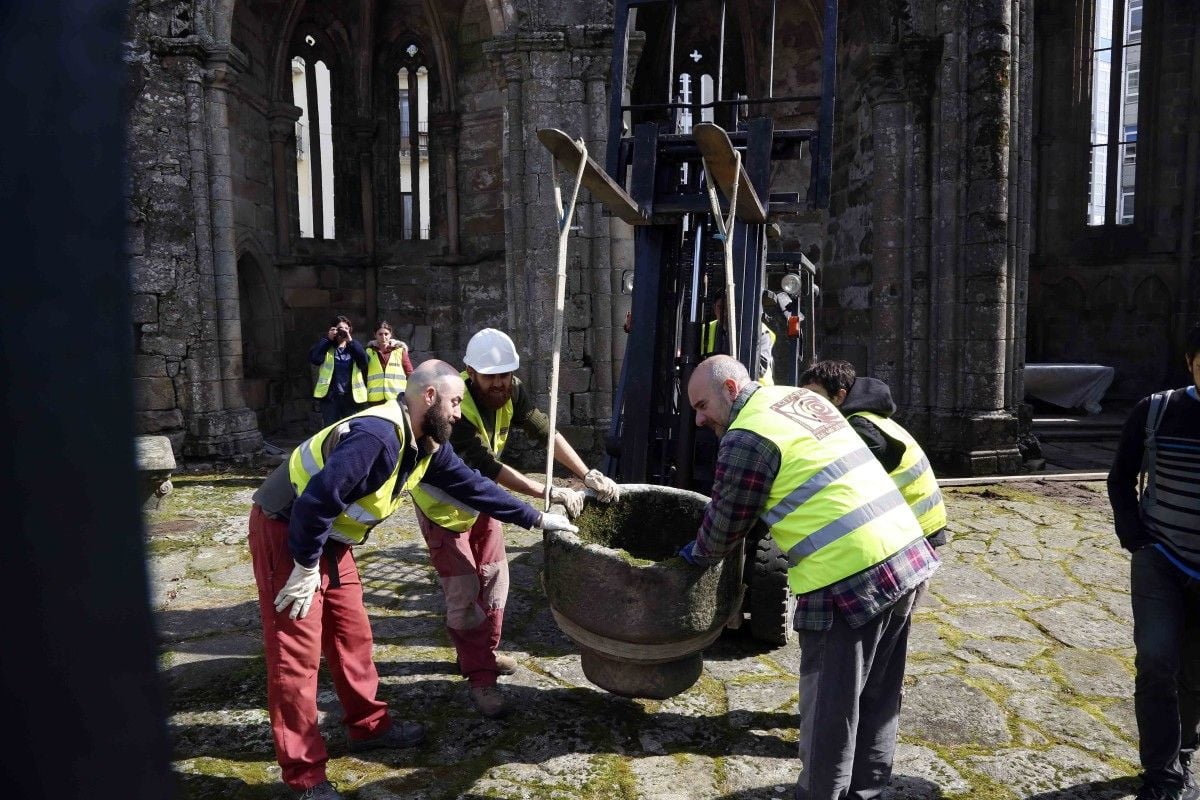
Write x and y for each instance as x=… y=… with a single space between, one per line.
x=491 y=352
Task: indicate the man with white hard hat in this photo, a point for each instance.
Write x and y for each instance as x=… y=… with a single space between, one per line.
x=466 y=547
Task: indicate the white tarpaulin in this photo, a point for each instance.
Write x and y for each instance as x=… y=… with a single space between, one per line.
x=1069 y=385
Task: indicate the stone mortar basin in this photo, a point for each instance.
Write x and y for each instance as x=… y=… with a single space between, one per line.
x=640 y=614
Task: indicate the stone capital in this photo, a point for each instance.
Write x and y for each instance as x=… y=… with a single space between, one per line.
x=224 y=65
x=282 y=121
x=884 y=78
x=921 y=57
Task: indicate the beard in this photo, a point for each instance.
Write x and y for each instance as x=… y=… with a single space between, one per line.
x=437 y=424
x=493 y=399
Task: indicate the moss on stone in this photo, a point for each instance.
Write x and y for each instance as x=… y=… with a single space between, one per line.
x=647 y=525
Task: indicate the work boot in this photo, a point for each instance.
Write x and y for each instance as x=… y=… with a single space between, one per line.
x=322 y=791
x=489 y=701
x=505 y=665
x=400 y=735
x=1158 y=793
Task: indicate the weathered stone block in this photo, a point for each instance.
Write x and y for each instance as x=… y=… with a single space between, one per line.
x=144 y=308
x=153 y=394
x=163 y=346
x=150 y=367
x=422 y=337
x=304 y=276
x=574 y=379
x=153 y=274
x=157 y=421
x=304 y=297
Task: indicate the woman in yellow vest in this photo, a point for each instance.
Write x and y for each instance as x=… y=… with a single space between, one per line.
x=342 y=363
x=789 y=460
x=388 y=365
x=867 y=404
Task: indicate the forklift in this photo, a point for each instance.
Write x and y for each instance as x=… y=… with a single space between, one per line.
x=691 y=172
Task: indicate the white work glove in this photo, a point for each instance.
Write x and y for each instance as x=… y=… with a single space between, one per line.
x=571 y=498
x=556 y=522
x=299 y=590
x=606 y=490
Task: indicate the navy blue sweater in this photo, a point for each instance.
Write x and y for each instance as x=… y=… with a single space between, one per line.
x=361 y=462
x=353 y=352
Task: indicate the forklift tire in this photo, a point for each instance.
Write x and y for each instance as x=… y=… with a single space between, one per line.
x=771 y=600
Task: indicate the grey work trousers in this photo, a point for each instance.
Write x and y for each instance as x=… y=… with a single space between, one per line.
x=850 y=682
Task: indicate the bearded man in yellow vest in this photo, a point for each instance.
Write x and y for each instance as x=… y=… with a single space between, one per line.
x=788 y=460
x=467 y=547
x=308 y=514
x=867 y=404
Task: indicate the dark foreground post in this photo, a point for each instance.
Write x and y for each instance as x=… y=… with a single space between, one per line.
x=78 y=685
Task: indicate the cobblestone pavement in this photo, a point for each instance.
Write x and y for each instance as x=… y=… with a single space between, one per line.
x=1019 y=680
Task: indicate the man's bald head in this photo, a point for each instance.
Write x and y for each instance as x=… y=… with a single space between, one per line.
x=714 y=385
x=432 y=396
x=431 y=372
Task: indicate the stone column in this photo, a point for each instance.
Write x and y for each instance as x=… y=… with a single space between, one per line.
x=914 y=389
x=202 y=367
x=364 y=141
x=445 y=130
x=885 y=93
x=550 y=77
x=282 y=130
x=234 y=430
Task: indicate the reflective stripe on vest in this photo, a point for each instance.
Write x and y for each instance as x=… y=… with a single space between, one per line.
x=441 y=508
x=913 y=476
x=385 y=383
x=358 y=387
x=831 y=508
x=708 y=342
x=767 y=379
x=356 y=521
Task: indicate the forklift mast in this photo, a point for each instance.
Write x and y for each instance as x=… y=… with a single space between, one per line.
x=660 y=158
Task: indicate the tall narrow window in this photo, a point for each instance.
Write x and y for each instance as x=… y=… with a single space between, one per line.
x=1116 y=81
x=413 y=99
x=312 y=92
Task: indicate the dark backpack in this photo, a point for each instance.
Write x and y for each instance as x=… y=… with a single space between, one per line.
x=1154 y=415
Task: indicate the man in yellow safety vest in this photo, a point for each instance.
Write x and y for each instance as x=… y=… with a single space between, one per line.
x=867 y=404
x=789 y=461
x=306 y=517
x=467 y=547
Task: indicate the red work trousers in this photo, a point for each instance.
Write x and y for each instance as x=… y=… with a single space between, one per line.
x=473 y=569
x=335 y=625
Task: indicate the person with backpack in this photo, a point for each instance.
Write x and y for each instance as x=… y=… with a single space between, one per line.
x=1159 y=453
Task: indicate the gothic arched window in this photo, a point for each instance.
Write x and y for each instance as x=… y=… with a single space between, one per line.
x=412 y=105
x=312 y=92
x=1116 y=84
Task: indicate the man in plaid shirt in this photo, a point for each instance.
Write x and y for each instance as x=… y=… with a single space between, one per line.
x=857 y=555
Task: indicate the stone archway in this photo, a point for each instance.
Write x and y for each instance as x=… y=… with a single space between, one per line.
x=264 y=362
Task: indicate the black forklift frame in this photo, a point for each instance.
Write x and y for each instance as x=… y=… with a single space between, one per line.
x=652 y=434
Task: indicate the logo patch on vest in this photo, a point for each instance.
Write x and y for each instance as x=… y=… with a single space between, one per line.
x=808 y=409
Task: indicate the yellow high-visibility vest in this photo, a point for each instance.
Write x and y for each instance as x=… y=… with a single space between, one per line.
x=441 y=508
x=831 y=509
x=356 y=521
x=385 y=383
x=768 y=379
x=708 y=345
x=358 y=387
x=913 y=476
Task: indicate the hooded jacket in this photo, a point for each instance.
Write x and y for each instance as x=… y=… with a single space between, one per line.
x=872 y=394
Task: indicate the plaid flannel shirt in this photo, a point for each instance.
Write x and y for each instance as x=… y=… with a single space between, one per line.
x=747 y=464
